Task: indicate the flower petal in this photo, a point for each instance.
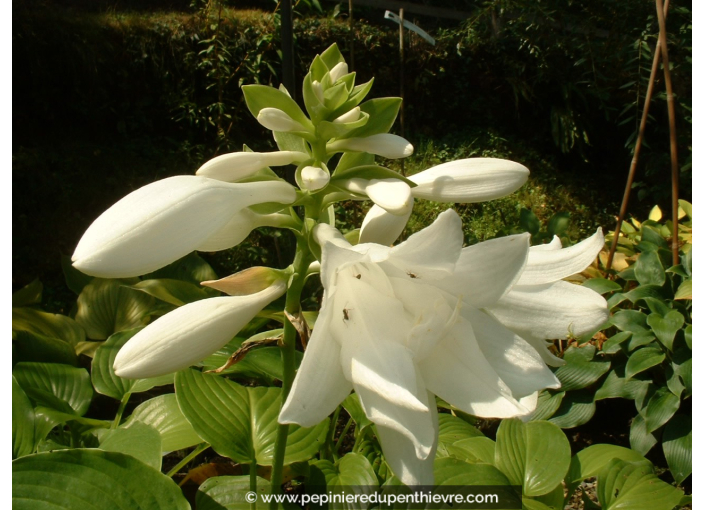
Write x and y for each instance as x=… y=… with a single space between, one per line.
x=554 y=244
x=164 y=221
x=320 y=385
x=385 y=145
x=393 y=195
x=382 y=227
x=190 y=333
x=517 y=363
x=545 y=266
x=554 y=310
x=278 y=120
x=239 y=165
x=486 y=271
x=470 y=180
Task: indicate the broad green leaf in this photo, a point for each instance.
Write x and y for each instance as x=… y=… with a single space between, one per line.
x=548 y=404
x=645 y=292
x=174 y=292
x=354 y=409
x=558 y=224
x=532 y=504
x=258 y=97
x=351 y=471
x=649 y=237
x=630 y=320
x=75 y=280
x=577 y=408
x=23 y=419
x=28 y=346
x=449 y=471
x=529 y=222
x=656 y=305
x=661 y=407
x=382 y=114
x=535 y=455
x=228 y=493
x=582 y=369
x=601 y=285
x=191 y=268
x=84 y=479
x=639 y=340
x=617 y=386
x=109 y=306
x=241 y=422
x=677 y=445
x=289 y=142
x=626 y=485
x=643 y=359
x=674 y=382
x=613 y=344
x=453 y=429
x=60 y=387
x=684 y=371
x=165 y=416
x=665 y=328
x=30 y=294
x=587 y=463
x=474 y=449
x=552 y=500
x=688 y=335
x=47 y=324
x=47 y=419
x=141 y=441
x=684 y=291
x=641 y=441
x=649 y=270
x=104 y=379
x=686 y=207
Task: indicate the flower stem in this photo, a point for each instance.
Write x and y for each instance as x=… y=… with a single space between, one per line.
x=327 y=449
x=120 y=410
x=342 y=436
x=253 y=482
x=188 y=458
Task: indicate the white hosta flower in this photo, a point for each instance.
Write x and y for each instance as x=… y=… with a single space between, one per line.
x=351 y=116
x=338 y=72
x=190 y=333
x=314 y=178
x=399 y=325
x=384 y=144
x=240 y=165
x=463 y=181
x=166 y=220
x=393 y=195
x=239 y=227
x=278 y=120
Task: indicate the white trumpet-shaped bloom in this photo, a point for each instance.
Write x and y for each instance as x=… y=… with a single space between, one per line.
x=384 y=144
x=400 y=325
x=166 y=220
x=190 y=333
x=240 y=165
x=463 y=181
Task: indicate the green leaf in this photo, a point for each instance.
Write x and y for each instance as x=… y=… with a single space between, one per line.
x=23 y=442
x=577 y=408
x=643 y=359
x=535 y=455
x=174 y=292
x=453 y=429
x=338 y=130
x=684 y=291
x=630 y=320
x=613 y=344
x=661 y=407
x=649 y=270
x=677 y=445
x=582 y=369
x=30 y=294
x=474 y=449
x=228 y=492
x=641 y=441
x=644 y=292
x=686 y=207
x=165 y=416
x=382 y=115
x=454 y=472
x=109 y=306
x=75 y=280
x=240 y=422
x=354 y=408
x=617 y=386
x=665 y=328
x=548 y=404
x=651 y=238
x=558 y=224
x=61 y=387
x=81 y=479
x=332 y=56
x=622 y=485
x=289 y=142
x=258 y=97
x=28 y=346
x=104 y=379
x=639 y=340
x=141 y=441
x=191 y=268
x=601 y=285
x=588 y=462
x=688 y=335
x=529 y=222
x=657 y=306
x=350 y=472
x=47 y=324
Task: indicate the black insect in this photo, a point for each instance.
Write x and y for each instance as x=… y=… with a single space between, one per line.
x=412 y=275
x=345 y=314
x=358 y=276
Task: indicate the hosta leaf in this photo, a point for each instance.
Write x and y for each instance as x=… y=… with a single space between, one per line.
x=649 y=270
x=577 y=408
x=622 y=485
x=165 y=416
x=645 y=292
x=641 y=441
x=28 y=346
x=661 y=407
x=688 y=335
x=548 y=404
x=191 y=268
x=382 y=113
x=30 y=294
x=630 y=320
x=104 y=379
x=75 y=280
x=665 y=328
x=449 y=471
x=47 y=324
x=354 y=409
x=639 y=340
x=61 y=387
x=23 y=419
x=617 y=386
x=109 y=306
x=240 y=422
x=82 y=479
x=258 y=97
x=587 y=463
x=141 y=441
x=474 y=449
x=677 y=445
x=612 y=345
x=582 y=369
x=353 y=471
x=453 y=429
x=228 y=493
x=535 y=455
x=601 y=285
x=684 y=291
x=643 y=359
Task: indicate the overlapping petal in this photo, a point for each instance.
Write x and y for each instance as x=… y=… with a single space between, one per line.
x=384 y=144
x=236 y=166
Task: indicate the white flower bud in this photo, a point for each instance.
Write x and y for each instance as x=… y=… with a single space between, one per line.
x=351 y=116
x=278 y=120
x=314 y=178
x=384 y=144
x=338 y=72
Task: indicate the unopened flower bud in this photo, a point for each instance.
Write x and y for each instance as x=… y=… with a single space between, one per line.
x=351 y=116
x=278 y=120
x=314 y=178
